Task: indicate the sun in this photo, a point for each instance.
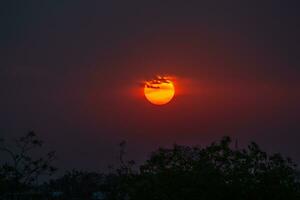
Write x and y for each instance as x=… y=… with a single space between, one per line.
x=159 y=91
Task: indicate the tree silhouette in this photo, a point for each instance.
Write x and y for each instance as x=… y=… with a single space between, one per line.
x=215 y=172
x=23 y=169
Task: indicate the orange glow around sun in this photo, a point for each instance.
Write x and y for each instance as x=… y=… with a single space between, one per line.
x=159 y=91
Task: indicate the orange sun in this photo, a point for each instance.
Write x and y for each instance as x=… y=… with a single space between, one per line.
x=159 y=91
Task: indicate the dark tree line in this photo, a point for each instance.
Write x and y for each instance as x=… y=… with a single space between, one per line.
x=215 y=172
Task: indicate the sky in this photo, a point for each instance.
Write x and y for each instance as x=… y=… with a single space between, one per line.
x=73 y=71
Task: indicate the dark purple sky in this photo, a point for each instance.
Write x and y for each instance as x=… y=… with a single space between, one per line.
x=71 y=71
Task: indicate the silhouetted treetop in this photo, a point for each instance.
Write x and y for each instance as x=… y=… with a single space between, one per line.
x=217 y=171
x=23 y=169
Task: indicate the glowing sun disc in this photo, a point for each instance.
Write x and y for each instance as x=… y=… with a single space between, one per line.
x=159 y=91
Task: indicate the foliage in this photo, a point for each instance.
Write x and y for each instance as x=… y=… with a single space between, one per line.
x=23 y=169
x=77 y=184
x=215 y=172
